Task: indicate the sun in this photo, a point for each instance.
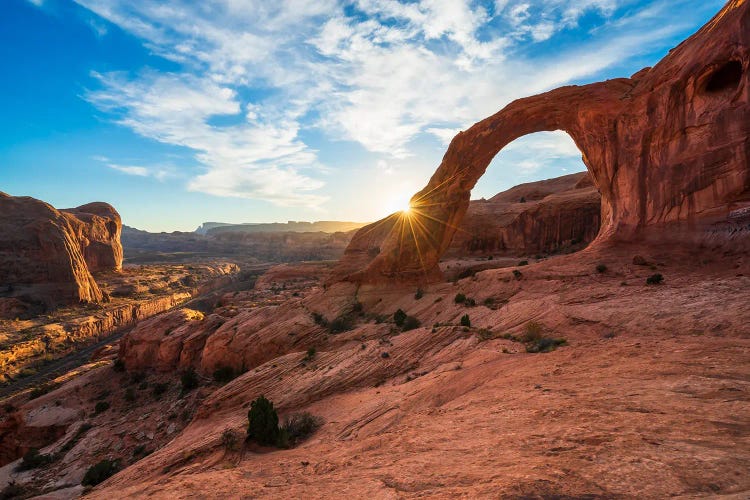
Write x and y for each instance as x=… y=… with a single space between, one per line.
x=406 y=210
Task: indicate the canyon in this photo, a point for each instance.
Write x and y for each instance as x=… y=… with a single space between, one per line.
x=601 y=353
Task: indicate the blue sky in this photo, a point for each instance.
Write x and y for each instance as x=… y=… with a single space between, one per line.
x=179 y=112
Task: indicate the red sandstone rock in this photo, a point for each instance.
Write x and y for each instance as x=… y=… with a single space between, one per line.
x=47 y=255
x=97 y=227
x=538 y=217
x=667 y=149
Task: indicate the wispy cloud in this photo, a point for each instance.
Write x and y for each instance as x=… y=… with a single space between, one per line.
x=381 y=73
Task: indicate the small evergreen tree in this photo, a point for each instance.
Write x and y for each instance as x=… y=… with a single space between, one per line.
x=263 y=422
x=399 y=317
x=465 y=321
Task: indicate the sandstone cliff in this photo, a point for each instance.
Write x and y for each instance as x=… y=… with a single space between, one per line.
x=47 y=255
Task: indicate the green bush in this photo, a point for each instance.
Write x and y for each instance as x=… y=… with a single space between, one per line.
x=601 y=268
x=460 y=298
x=99 y=472
x=189 y=380
x=319 y=319
x=523 y=263
x=343 y=323
x=298 y=427
x=33 y=460
x=654 y=279
x=410 y=323
x=230 y=440
x=532 y=332
x=418 y=294
x=399 y=317
x=158 y=389
x=517 y=274
x=224 y=374
x=544 y=344
x=311 y=352
x=465 y=321
x=101 y=407
x=263 y=422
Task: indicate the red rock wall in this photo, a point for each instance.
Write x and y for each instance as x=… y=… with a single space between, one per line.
x=668 y=149
x=44 y=253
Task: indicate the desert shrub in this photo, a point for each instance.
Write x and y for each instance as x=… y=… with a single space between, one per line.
x=654 y=279
x=410 y=323
x=118 y=365
x=189 y=380
x=311 y=351
x=263 y=422
x=298 y=427
x=99 y=472
x=33 y=460
x=343 y=323
x=465 y=321
x=319 y=319
x=12 y=490
x=418 y=294
x=638 y=260
x=385 y=355
x=470 y=302
x=532 y=332
x=224 y=374
x=522 y=200
x=159 y=388
x=101 y=407
x=517 y=274
x=544 y=344
x=523 y=263
x=460 y=298
x=399 y=317
x=489 y=258
x=230 y=440
x=485 y=334
x=601 y=268
x=489 y=302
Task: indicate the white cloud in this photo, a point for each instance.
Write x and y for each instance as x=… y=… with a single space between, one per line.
x=38 y=3
x=377 y=72
x=157 y=172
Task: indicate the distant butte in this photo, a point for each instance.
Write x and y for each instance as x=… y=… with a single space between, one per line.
x=667 y=149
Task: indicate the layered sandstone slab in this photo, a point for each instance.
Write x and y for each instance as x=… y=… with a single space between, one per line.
x=667 y=149
x=47 y=255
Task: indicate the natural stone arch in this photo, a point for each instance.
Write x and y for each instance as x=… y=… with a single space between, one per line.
x=669 y=146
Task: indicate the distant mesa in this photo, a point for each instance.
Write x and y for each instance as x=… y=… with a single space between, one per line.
x=667 y=149
x=280 y=227
x=47 y=255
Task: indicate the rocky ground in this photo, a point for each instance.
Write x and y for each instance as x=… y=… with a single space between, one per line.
x=643 y=405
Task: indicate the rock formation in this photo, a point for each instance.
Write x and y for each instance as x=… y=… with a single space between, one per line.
x=47 y=255
x=667 y=149
x=537 y=217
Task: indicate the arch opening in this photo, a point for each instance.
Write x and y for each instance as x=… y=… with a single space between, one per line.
x=535 y=199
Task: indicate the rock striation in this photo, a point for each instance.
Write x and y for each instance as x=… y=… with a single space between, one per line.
x=47 y=255
x=667 y=148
